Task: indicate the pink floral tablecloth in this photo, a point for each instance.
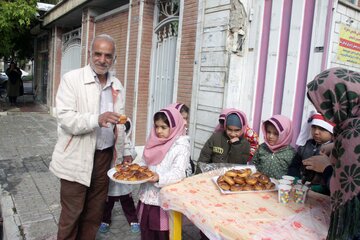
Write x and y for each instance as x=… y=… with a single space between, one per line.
x=246 y=215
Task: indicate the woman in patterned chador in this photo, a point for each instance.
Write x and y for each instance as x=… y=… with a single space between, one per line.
x=335 y=94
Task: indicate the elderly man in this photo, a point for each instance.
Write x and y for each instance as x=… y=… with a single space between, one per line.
x=88 y=103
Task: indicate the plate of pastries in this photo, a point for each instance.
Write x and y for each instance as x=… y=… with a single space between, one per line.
x=130 y=173
x=243 y=180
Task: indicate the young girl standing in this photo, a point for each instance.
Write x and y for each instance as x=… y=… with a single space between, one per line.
x=274 y=156
x=122 y=192
x=167 y=154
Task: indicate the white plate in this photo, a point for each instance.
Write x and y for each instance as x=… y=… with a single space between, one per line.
x=214 y=179
x=111 y=172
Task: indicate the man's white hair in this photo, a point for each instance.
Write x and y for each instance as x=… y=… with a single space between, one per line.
x=105 y=37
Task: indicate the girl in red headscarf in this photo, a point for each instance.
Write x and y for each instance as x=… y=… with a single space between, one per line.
x=230 y=145
x=274 y=156
x=167 y=154
x=249 y=133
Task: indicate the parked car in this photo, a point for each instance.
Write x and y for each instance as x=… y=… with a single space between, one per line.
x=3 y=80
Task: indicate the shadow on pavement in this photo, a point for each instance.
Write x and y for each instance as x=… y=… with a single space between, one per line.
x=24 y=103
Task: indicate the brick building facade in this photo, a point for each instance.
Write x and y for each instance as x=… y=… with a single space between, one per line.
x=253 y=55
x=131 y=24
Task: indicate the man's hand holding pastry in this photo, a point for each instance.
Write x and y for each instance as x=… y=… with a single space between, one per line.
x=108 y=117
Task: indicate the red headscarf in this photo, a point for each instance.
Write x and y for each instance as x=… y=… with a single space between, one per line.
x=284 y=127
x=156 y=148
x=226 y=112
x=249 y=133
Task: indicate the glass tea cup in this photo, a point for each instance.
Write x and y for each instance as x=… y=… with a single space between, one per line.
x=300 y=192
x=284 y=193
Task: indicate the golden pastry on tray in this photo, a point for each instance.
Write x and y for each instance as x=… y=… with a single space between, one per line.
x=244 y=180
x=132 y=172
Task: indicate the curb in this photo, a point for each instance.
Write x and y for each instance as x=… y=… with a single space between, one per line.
x=11 y=221
x=7 y=113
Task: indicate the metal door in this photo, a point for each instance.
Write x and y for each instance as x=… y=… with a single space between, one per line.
x=164 y=55
x=71 y=51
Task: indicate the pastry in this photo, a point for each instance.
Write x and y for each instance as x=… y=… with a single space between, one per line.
x=121 y=168
x=134 y=166
x=259 y=186
x=235 y=187
x=264 y=179
x=220 y=179
x=251 y=180
x=143 y=169
x=248 y=187
x=270 y=185
x=243 y=180
x=248 y=171
x=224 y=186
x=239 y=180
x=149 y=173
x=257 y=174
x=244 y=173
x=132 y=172
x=229 y=180
x=141 y=176
x=118 y=176
x=122 y=119
x=231 y=173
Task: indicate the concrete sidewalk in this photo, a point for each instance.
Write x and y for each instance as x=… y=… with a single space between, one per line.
x=29 y=192
x=25 y=103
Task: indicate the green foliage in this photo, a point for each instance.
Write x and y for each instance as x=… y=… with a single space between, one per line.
x=16 y=19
